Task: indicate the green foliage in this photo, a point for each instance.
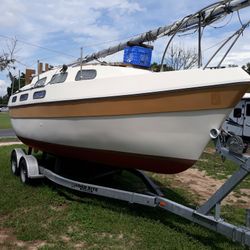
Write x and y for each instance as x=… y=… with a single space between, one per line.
x=4 y=100
x=213 y=165
x=247 y=68
x=4 y=120
x=7 y=60
x=9 y=139
x=157 y=67
x=15 y=83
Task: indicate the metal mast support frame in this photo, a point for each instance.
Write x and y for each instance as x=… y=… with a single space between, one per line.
x=29 y=169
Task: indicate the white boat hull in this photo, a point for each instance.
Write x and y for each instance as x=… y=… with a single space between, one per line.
x=180 y=135
x=128 y=118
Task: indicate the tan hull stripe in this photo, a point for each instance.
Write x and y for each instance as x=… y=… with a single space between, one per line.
x=188 y=100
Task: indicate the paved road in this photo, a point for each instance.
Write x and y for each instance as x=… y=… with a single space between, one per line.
x=7 y=133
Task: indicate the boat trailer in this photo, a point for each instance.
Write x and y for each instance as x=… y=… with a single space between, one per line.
x=207 y=215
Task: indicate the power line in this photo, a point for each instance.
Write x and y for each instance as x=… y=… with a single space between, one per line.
x=111 y=41
x=38 y=46
x=62 y=53
x=215 y=45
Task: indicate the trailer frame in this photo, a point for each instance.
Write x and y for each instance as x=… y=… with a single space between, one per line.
x=207 y=215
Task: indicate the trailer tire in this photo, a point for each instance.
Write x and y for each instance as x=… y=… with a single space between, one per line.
x=24 y=171
x=14 y=163
x=245 y=147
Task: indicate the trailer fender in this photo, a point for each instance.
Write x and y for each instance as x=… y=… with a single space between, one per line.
x=32 y=166
x=16 y=155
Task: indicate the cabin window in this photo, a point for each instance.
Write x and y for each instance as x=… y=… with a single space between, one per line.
x=23 y=97
x=39 y=94
x=237 y=113
x=248 y=110
x=86 y=74
x=14 y=99
x=40 y=82
x=59 y=78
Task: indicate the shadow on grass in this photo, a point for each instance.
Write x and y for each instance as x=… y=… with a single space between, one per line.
x=126 y=181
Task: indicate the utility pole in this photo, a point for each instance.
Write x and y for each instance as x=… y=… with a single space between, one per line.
x=38 y=69
x=19 y=79
x=12 y=87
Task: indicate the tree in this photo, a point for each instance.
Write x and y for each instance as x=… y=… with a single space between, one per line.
x=181 y=58
x=156 y=67
x=4 y=100
x=15 y=83
x=7 y=58
x=7 y=62
x=247 y=68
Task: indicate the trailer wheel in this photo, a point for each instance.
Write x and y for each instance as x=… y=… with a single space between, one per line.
x=24 y=171
x=14 y=163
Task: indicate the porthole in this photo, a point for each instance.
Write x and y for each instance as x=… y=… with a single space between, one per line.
x=23 y=97
x=86 y=74
x=39 y=94
x=14 y=99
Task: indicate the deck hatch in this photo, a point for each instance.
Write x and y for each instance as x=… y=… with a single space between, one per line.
x=40 y=82
x=59 y=78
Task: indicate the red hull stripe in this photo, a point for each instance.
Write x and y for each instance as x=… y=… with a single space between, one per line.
x=156 y=164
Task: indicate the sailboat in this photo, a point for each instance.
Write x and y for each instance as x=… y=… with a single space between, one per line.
x=130 y=117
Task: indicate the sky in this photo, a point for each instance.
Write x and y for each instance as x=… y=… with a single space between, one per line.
x=54 y=31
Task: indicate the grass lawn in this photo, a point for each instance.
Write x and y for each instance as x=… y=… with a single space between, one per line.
x=4 y=120
x=219 y=169
x=51 y=217
x=9 y=139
